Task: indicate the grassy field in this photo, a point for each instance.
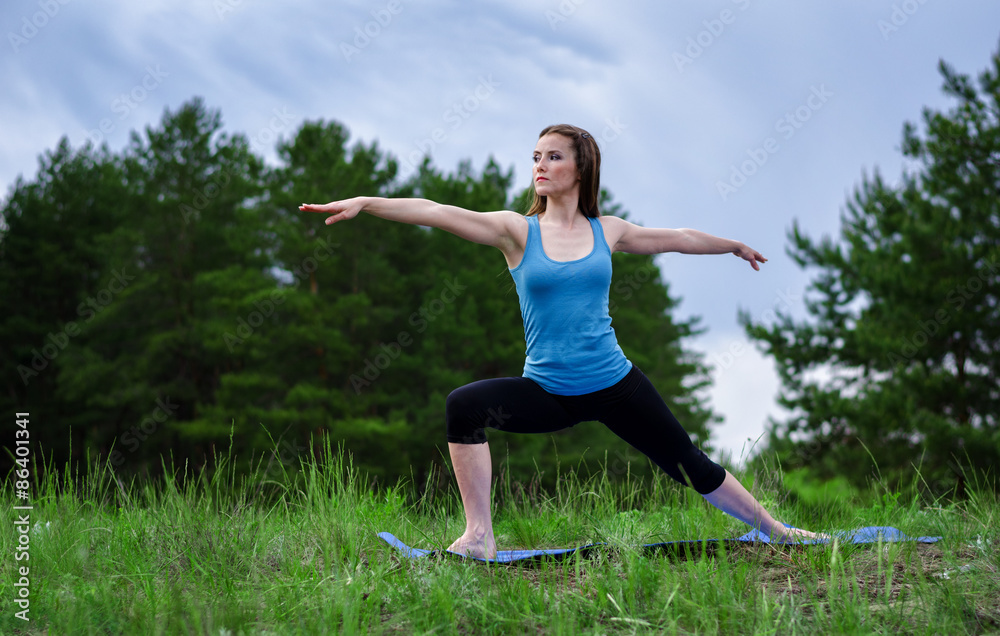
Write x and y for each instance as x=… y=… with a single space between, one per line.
x=298 y=554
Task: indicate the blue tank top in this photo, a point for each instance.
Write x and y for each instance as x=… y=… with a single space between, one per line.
x=571 y=346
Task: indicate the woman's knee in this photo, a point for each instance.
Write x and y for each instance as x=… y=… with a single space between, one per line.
x=460 y=419
x=701 y=472
x=457 y=400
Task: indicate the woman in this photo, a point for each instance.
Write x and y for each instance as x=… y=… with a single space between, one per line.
x=559 y=255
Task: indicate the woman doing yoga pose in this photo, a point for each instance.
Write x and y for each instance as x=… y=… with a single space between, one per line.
x=559 y=255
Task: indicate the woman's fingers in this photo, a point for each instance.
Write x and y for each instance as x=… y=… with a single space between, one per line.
x=751 y=256
x=316 y=207
x=340 y=210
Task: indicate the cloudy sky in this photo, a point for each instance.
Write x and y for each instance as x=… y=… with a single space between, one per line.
x=735 y=117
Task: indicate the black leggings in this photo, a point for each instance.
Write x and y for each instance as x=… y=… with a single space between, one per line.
x=632 y=409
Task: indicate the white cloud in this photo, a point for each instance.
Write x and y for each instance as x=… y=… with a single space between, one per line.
x=744 y=392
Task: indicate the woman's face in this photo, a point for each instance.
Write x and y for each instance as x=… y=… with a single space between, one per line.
x=554 y=171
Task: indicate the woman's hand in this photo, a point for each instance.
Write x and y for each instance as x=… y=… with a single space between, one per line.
x=341 y=210
x=751 y=255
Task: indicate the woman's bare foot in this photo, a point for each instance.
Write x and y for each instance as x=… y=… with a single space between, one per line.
x=481 y=547
x=733 y=498
x=792 y=535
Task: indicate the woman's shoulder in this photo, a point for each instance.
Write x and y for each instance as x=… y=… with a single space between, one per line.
x=610 y=221
x=509 y=222
x=516 y=228
x=613 y=227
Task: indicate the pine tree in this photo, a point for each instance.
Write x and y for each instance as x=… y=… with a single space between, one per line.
x=55 y=277
x=190 y=233
x=905 y=314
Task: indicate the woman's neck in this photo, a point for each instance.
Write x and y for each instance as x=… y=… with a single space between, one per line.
x=562 y=211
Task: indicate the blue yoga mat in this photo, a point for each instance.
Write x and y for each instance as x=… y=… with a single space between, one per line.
x=870 y=534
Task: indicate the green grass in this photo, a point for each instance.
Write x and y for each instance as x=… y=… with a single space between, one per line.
x=223 y=554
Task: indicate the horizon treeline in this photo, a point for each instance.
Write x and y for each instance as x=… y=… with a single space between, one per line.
x=170 y=299
x=171 y=295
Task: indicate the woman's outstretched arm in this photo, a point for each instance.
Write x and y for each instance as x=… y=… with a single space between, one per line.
x=635 y=239
x=487 y=228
